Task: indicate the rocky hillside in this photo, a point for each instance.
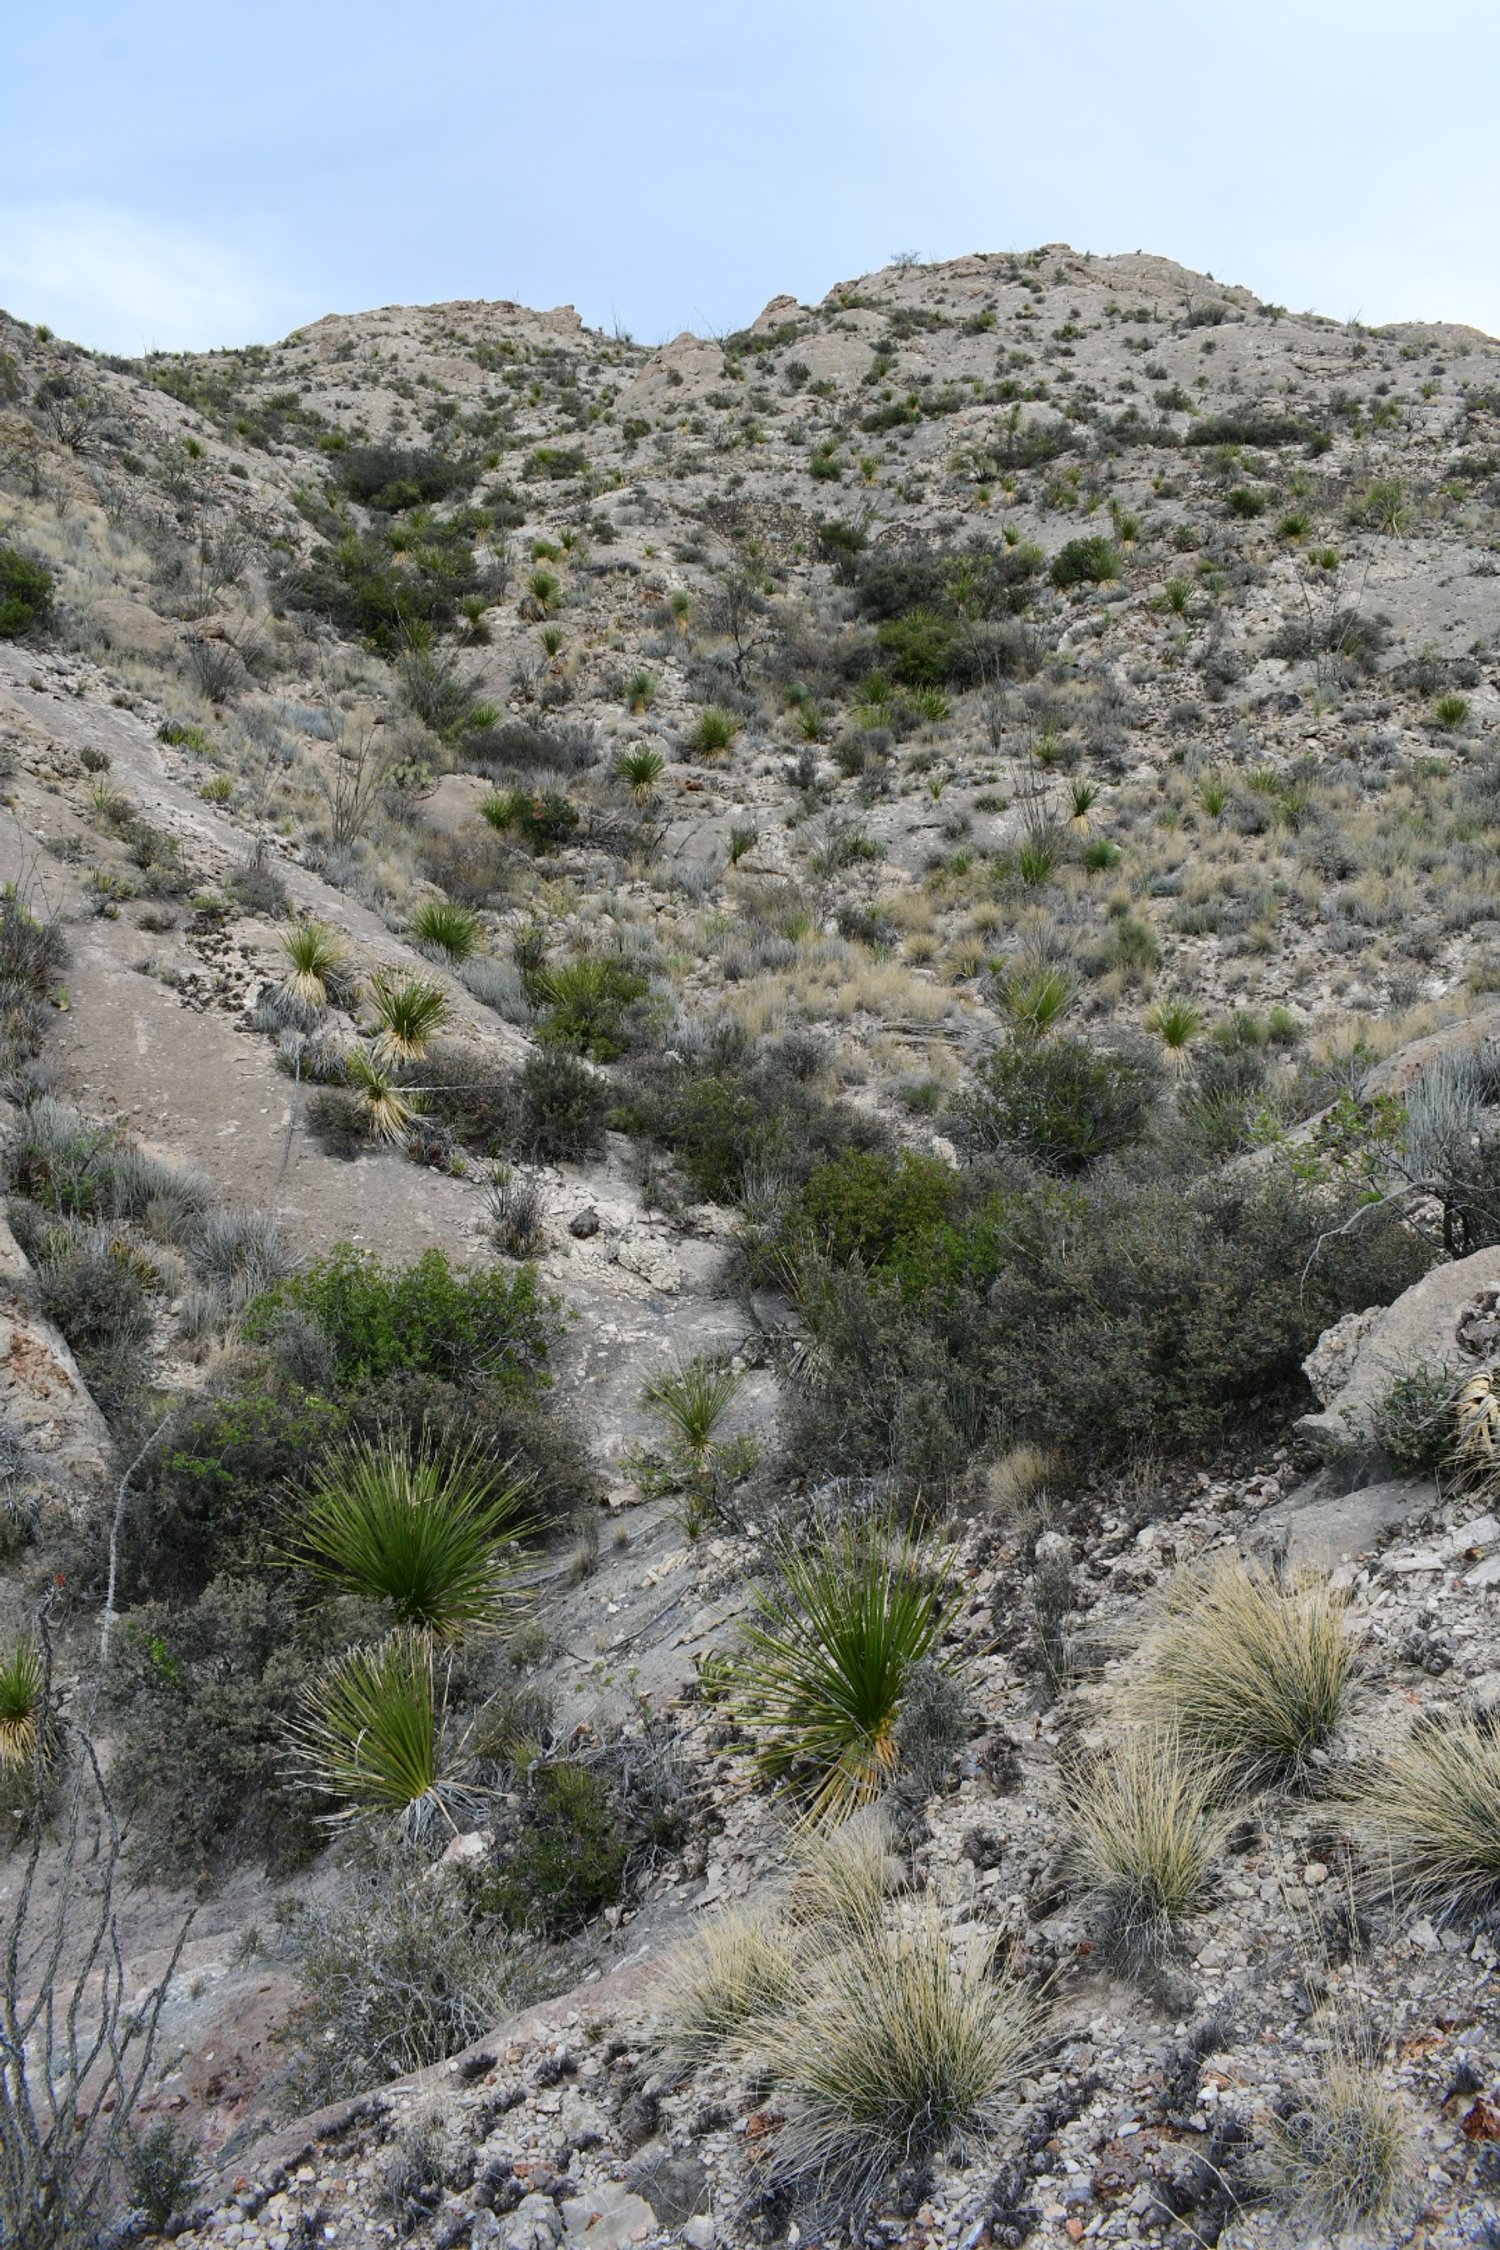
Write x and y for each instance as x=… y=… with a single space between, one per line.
x=777 y=986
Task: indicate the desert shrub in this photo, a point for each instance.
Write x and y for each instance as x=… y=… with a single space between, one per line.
x=1060 y=1103
x=564 y=1860
x=204 y=1694
x=1249 y=1668
x=361 y=585
x=896 y=2051
x=586 y=1001
x=206 y=1502
x=26 y=590
x=1433 y=1806
x=1144 y=1829
x=872 y=1205
x=544 y=819
x=826 y=1661
x=561 y=1109
x=379 y=1321
x=475 y=1097
x=469 y=865
x=391 y=479
x=1091 y=561
x=1175 y=1305
x=93 y=1293
x=338 y=1119
x=396 y=1975
x=159 y=2171
x=726 y=1109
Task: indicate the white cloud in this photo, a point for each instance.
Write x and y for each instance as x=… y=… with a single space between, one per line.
x=116 y=280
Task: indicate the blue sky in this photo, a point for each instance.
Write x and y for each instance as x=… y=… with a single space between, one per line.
x=177 y=175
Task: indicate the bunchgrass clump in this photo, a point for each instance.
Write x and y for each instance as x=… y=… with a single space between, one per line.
x=433 y=1537
x=1342 y=2157
x=737 y=1975
x=826 y=1661
x=1250 y=1668
x=895 y=2053
x=1433 y=1806
x=1145 y=1828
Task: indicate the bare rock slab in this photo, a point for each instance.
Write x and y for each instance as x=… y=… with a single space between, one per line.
x=1318 y=1529
x=1355 y=1363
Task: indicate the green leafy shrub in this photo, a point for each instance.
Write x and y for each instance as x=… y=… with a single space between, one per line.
x=730 y=1109
x=379 y=1321
x=26 y=592
x=544 y=819
x=391 y=479
x=565 y=1860
x=1060 y=1103
x=586 y=1000
x=1093 y=561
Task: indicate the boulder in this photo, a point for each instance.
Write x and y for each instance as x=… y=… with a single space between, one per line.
x=609 y=2217
x=1354 y=1364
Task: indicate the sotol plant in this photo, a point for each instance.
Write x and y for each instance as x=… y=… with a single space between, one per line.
x=434 y=1538
x=692 y=1398
x=826 y=1663
x=409 y=1012
x=370 y=1732
x=314 y=961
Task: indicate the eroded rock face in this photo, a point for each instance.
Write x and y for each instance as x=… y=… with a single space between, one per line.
x=1354 y=1364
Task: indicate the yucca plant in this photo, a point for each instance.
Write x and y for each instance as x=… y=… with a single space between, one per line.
x=448 y=928
x=640 y=768
x=1250 y=1668
x=315 y=960
x=408 y=1011
x=680 y=603
x=713 y=731
x=388 y=1111
x=370 y=1731
x=825 y=1664
x=1433 y=1806
x=22 y=1705
x=1144 y=1825
x=640 y=693
x=897 y=2053
x=692 y=1398
x=434 y=1538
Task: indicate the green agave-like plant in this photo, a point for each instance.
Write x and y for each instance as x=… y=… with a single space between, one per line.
x=825 y=1664
x=22 y=1697
x=388 y=1110
x=370 y=1731
x=314 y=960
x=640 y=768
x=435 y=1537
x=408 y=1012
x=692 y=1399
x=450 y=929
